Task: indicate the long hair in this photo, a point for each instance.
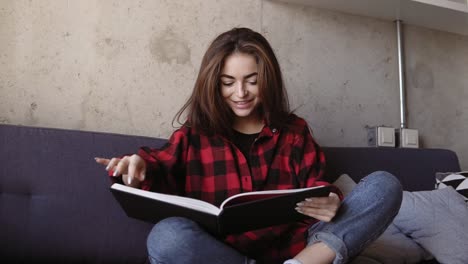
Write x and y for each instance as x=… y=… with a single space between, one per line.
x=206 y=109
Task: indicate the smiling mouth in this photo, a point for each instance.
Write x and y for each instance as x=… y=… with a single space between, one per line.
x=243 y=104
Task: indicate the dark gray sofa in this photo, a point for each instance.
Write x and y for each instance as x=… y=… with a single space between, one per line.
x=55 y=206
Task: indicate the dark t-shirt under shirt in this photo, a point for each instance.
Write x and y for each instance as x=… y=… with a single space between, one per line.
x=244 y=142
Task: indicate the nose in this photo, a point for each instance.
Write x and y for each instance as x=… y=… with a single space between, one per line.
x=241 y=90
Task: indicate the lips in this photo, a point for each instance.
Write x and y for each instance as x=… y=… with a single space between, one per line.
x=243 y=104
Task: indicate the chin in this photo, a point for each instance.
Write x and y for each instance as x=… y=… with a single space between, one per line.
x=243 y=113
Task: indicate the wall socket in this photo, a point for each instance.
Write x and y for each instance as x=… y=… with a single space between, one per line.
x=381 y=137
x=407 y=138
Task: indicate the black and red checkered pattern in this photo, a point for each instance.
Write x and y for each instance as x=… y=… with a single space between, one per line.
x=212 y=168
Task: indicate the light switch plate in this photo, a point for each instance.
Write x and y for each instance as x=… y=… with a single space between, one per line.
x=381 y=136
x=385 y=137
x=409 y=138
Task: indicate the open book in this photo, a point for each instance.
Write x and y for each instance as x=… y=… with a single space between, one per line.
x=238 y=213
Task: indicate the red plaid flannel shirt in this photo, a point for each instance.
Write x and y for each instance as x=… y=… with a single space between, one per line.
x=212 y=168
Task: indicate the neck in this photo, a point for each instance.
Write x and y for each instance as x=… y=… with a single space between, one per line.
x=248 y=125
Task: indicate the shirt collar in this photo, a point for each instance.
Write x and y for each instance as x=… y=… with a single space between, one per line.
x=268 y=131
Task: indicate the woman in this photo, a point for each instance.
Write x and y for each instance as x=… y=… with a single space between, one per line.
x=238 y=136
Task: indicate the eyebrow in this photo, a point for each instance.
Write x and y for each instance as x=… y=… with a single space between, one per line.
x=245 y=77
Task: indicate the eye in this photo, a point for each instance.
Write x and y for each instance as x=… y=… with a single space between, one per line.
x=252 y=82
x=227 y=83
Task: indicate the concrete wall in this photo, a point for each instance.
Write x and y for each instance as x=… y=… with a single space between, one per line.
x=128 y=66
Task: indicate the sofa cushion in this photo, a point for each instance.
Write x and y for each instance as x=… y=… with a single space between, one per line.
x=392 y=246
x=395 y=247
x=458 y=180
x=438 y=221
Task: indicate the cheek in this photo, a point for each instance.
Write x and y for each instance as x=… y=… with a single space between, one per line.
x=256 y=91
x=225 y=93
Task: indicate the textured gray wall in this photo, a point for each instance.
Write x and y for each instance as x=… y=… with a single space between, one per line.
x=437 y=80
x=128 y=66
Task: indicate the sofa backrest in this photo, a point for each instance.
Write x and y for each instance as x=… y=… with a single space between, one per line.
x=55 y=206
x=415 y=168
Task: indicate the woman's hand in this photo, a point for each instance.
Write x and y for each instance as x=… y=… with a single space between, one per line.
x=321 y=208
x=132 y=168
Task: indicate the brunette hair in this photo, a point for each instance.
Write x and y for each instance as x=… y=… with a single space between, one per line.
x=206 y=109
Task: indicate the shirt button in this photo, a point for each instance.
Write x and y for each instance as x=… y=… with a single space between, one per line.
x=274 y=130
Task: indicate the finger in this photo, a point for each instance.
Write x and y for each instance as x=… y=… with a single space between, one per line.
x=125 y=179
x=332 y=207
x=322 y=209
x=132 y=171
x=121 y=167
x=138 y=175
x=102 y=161
x=316 y=202
x=315 y=211
x=142 y=175
x=320 y=214
x=322 y=218
x=332 y=198
x=136 y=169
x=112 y=164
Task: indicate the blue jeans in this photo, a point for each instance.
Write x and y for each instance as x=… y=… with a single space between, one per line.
x=363 y=215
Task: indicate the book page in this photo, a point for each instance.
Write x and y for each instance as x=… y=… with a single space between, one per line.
x=259 y=195
x=195 y=204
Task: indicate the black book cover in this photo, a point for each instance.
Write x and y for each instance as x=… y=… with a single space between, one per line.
x=239 y=213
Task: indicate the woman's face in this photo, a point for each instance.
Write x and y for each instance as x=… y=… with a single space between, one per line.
x=239 y=85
